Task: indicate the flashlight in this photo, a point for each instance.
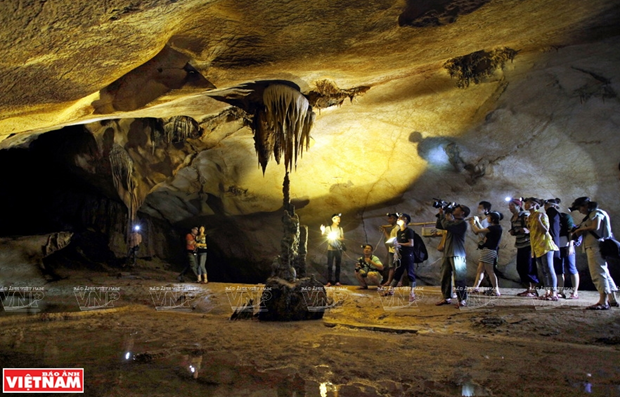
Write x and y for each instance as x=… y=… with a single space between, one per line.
x=136 y=228
x=333 y=235
x=508 y=199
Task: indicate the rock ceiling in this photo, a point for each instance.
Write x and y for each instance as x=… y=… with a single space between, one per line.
x=462 y=99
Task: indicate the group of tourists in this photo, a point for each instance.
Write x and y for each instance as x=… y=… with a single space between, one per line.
x=545 y=239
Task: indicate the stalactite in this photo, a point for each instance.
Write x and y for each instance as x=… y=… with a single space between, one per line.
x=328 y=94
x=179 y=128
x=472 y=68
x=122 y=167
x=124 y=182
x=282 y=126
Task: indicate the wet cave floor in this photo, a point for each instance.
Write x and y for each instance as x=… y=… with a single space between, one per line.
x=139 y=334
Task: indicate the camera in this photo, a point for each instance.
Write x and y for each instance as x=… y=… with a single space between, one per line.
x=362 y=267
x=576 y=238
x=447 y=207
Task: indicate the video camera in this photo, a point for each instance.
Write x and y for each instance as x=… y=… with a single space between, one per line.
x=447 y=207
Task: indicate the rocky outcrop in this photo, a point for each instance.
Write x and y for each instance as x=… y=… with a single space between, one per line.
x=21 y=259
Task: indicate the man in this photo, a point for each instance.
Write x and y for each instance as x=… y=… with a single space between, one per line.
x=389 y=232
x=190 y=249
x=135 y=239
x=335 y=238
x=453 y=261
x=368 y=268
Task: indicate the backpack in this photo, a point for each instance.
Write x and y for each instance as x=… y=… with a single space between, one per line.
x=566 y=224
x=610 y=248
x=419 y=249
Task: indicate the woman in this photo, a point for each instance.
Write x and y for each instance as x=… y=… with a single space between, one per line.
x=553 y=214
x=543 y=247
x=201 y=246
x=526 y=267
x=488 y=255
x=566 y=263
x=484 y=207
x=595 y=227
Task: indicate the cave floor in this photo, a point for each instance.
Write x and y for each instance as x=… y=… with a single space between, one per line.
x=136 y=333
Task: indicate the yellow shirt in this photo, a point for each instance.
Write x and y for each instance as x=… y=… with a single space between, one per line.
x=541 y=240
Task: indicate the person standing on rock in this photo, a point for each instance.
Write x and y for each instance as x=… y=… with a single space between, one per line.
x=201 y=248
x=526 y=266
x=551 y=209
x=389 y=232
x=489 y=247
x=335 y=246
x=404 y=244
x=595 y=227
x=543 y=247
x=190 y=250
x=135 y=239
x=454 y=257
x=566 y=263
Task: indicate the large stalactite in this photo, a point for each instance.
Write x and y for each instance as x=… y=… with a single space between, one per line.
x=124 y=182
x=282 y=125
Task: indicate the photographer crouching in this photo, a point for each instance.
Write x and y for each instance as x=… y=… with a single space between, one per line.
x=368 y=268
x=451 y=217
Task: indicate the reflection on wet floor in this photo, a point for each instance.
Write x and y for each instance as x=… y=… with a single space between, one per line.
x=125 y=363
x=589 y=386
x=133 y=361
x=327 y=389
x=470 y=388
x=121 y=358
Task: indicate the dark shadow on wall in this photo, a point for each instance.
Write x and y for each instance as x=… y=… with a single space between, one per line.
x=427 y=13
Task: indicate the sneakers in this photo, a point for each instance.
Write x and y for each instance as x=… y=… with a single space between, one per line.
x=443 y=302
x=462 y=303
x=598 y=306
x=388 y=292
x=181 y=279
x=411 y=298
